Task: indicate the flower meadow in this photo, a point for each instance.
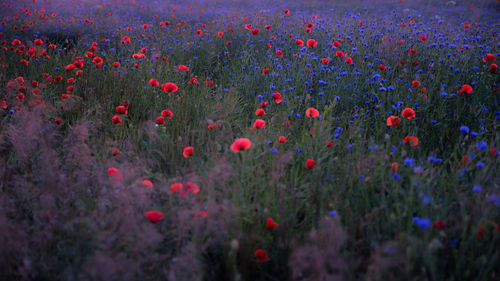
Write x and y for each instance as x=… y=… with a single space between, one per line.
x=249 y=140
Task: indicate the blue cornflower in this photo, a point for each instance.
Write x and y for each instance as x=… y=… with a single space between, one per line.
x=422 y=223
x=481 y=145
x=409 y=161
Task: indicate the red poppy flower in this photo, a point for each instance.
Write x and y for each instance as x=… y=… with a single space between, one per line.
x=79 y=64
x=116 y=119
x=325 y=61
x=193 y=81
x=183 y=67
x=125 y=103
x=413 y=51
x=493 y=69
x=97 y=60
x=490 y=58
x=277 y=97
x=480 y=232
x=169 y=87
x=312 y=112
x=408 y=113
x=241 y=144
x=312 y=43
x=115 y=173
x=493 y=152
x=348 y=60
x=260 y=112
x=336 y=44
x=261 y=256
x=125 y=40
x=310 y=163
x=339 y=54
x=147 y=183
x=154 y=216
x=188 y=152
x=282 y=139
x=213 y=126
x=393 y=121
x=176 y=188
x=423 y=38
x=259 y=124
x=439 y=225
x=70 y=67
x=330 y=144
x=167 y=113
x=414 y=140
x=466 y=89
x=265 y=71
x=415 y=84
x=382 y=67
x=286 y=11
x=20 y=80
x=220 y=34
x=192 y=188
x=394 y=167
x=138 y=56
x=255 y=31
x=58 y=121
x=115 y=152
x=270 y=224
x=299 y=42
x=160 y=120
x=121 y=109
x=154 y=83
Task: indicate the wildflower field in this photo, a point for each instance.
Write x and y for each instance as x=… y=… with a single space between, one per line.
x=249 y=140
